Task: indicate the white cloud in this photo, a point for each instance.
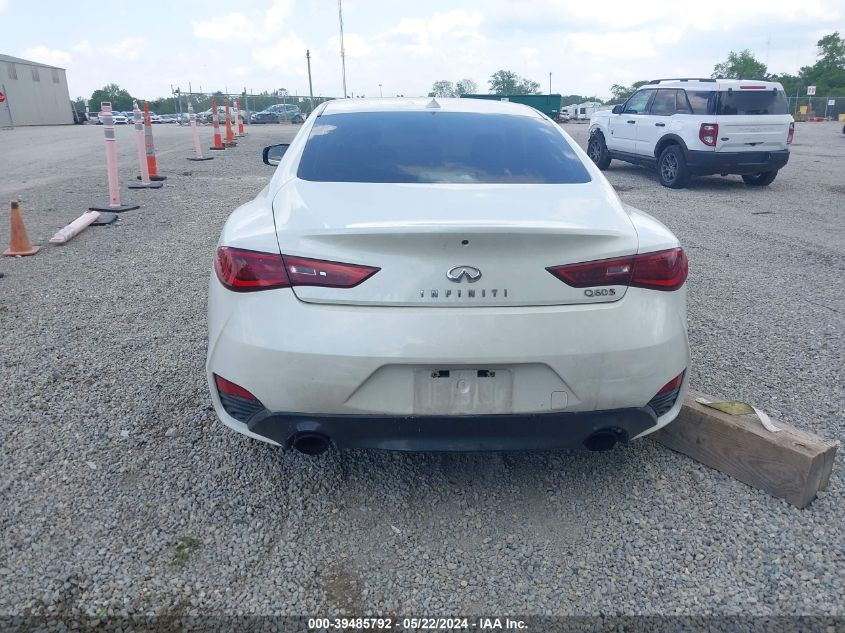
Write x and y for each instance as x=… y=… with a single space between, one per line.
x=288 y=53
x=127 y=49
x=237 y=26
x=51 y=56
x=3 y=5
x=355 y=46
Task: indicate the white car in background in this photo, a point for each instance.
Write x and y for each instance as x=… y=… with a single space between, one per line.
x=695 y=127
x=118 y=118
x=443 y=275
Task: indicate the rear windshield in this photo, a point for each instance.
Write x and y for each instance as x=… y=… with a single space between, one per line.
x=752 y=102
x=438 y=147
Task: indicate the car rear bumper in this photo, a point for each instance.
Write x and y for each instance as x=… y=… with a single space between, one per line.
x=704 y=163
x=360 y=374
x=542 y=431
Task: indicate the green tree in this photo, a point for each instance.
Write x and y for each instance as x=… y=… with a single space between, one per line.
x=466 y=87
x=741 y=65
x=828 y=73
x=620 y=93
x=529 y=87
x=120 y=99
x=442 y=88
x=506 y=82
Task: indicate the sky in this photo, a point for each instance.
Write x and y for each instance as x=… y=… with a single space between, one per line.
x=403 y=47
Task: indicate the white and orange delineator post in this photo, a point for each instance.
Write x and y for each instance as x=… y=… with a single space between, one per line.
x=152 y=166
x=111 y=164
x=141 y=142
x=230 y=135
x=197 y=149
x=215 y=121
x=75 y=228
x=239 y=119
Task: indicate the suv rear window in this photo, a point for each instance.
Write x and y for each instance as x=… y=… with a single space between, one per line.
x=752 y=102
x=438 y=147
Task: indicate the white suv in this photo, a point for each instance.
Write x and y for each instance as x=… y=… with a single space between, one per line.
x=695 y=127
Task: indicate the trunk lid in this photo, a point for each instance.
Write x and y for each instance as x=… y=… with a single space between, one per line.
x=459 y=245
x=752 y=133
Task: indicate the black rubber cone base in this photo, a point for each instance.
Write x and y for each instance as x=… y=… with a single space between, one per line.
x=105 y=218
x=140 y=185
x=153 y=178
x=214 y=148
x=120 y=209
x=203 y=158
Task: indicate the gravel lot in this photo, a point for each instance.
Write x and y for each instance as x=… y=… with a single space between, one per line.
x=122 y=494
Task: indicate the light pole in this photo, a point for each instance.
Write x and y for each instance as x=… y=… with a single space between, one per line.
x=380 y=94
x=310 y=87
x=550 y=82
x=342 y=49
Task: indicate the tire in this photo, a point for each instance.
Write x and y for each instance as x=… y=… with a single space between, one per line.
x=760 y=180
x=598 y=152
x=672 y=168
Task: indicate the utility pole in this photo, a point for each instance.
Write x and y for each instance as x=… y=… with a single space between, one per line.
x=310 y=87
x=550 y=83
x=342 y=49
x=380 y=94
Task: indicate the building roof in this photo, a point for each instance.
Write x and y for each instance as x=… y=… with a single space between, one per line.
x=18 y=60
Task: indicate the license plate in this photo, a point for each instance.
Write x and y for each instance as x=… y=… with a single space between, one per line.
x=447 y=391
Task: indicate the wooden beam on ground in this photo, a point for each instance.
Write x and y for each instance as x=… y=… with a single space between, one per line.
x=790 y=464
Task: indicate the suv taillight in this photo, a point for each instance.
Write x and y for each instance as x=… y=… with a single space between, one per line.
x=790 y=134
x=663 y=270
x=707 y=133
x=241 y=270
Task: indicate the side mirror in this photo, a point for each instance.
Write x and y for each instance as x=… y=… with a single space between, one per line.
x=273 y=153
x=617 y=109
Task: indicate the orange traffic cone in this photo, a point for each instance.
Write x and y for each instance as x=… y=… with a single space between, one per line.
x=19 y=243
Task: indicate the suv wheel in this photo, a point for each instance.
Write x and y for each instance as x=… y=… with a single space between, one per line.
x=597 y=151
x=760 y=180
x=672 y=168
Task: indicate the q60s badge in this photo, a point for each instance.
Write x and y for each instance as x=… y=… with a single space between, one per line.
x=600 y=292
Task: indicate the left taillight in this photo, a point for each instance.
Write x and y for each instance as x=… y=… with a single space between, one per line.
x=247 y=271
x=663 y=270
x=790 y=134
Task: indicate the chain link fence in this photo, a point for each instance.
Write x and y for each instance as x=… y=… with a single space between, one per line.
x=829 y=108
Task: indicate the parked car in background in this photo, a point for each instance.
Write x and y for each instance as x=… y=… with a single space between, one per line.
x=689 y=127
x=168 y=118
x=279 y=113
x=118 y=118
x=435 y=315
x=205 y=116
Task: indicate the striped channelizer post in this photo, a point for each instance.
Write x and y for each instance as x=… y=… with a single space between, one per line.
x=140 y=141
x=196 y=134
x=230 y=136
x=111 y=164
x=150 y=146
x=215 y=121
x=239 y=118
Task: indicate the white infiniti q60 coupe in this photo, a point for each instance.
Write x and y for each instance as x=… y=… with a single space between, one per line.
x=443 y=275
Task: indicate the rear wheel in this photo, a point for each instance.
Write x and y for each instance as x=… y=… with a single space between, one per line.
x=597 y=151
x=672 y=168
x=760 y=180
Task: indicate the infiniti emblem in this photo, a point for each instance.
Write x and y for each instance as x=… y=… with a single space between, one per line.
x=458 y=273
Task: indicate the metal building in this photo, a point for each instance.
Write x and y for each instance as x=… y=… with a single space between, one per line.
x=32 y=93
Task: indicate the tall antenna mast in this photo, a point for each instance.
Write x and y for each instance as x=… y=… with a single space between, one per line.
x=342 y=49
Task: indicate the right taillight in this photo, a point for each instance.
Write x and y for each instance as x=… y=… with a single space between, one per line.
x=662 y=270
x=707 y=133
x=241 y=270
x=790 y=134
